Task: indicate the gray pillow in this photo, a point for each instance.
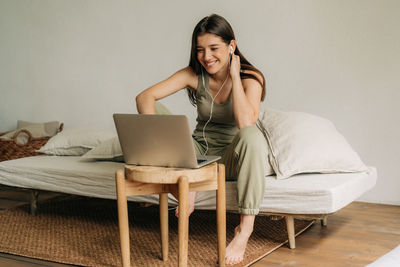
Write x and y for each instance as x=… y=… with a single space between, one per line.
x=75 y=141
x=109 y=149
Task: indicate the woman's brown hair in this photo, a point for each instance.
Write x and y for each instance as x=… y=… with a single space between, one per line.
x=219 y=26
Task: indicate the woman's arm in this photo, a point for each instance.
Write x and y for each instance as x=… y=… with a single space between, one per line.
x=145 y=101
x=246 y=96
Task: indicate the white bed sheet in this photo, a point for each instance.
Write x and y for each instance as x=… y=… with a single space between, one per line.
x=300 y=194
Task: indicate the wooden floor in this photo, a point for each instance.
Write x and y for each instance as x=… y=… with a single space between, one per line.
x=355 y=236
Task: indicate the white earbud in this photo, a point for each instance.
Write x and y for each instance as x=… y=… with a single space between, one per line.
x=231 y=49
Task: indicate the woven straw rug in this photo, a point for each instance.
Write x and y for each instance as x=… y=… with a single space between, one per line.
x=84 y=231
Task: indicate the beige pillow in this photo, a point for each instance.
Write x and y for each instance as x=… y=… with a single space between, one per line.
x=37 y=130
x=75 y=141
x=304 y=143
x=49 y=128
x=110 y=149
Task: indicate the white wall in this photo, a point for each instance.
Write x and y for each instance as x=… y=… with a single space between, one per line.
x=81 y=61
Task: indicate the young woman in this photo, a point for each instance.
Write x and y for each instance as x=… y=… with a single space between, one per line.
x=227 y=91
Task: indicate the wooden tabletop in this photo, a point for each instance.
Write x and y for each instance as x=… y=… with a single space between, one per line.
x=164 y=175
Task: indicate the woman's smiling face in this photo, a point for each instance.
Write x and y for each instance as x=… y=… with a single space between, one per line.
x=212 y=52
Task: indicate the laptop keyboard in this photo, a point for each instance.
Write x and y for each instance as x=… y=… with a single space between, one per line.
x=200 y=161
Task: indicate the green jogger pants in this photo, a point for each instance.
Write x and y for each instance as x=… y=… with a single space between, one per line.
x=245 y=161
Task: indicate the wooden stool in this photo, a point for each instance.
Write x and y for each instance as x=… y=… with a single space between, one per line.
x=146 y=180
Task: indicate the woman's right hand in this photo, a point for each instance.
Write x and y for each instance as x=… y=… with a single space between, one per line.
x=235 y=67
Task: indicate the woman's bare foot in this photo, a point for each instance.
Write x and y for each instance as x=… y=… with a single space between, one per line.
x=237 y=247
x=192 y=198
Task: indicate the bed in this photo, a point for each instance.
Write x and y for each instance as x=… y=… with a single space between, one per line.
x=311 y=170
x=301 y=196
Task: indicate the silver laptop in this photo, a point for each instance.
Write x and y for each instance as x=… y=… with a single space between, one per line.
x=158 y=140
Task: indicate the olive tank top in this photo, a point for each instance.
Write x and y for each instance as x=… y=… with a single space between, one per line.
x=222 y=128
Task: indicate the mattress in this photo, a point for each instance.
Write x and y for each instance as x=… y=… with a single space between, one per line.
x=300 y=194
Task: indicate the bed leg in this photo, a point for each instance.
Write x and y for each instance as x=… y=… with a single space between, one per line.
x=324 y=221
x=290 y=229
x=34 y=201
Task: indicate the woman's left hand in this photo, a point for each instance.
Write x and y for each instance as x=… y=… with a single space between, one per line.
x=235 y=66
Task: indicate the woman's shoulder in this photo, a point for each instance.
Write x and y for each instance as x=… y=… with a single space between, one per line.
x=190 y=77
x=254 y=73
x=253 y=80
x=189 y=72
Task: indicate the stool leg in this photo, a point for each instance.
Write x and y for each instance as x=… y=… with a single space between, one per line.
x=183 y=220
x=123 y=218
x=164 y=225
x=221 y=215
